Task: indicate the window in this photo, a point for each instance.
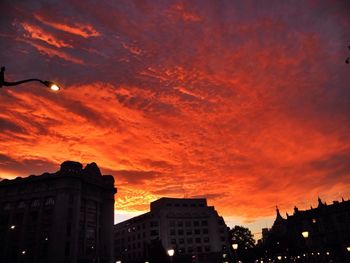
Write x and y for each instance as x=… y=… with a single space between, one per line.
x=189 y=240
x=198 y=240
x=206 y=239
x=188 y=223
x=204 y=223
x=7 y=206
x=21 y=205
x=196 y=223
x=180 y=232
x=205 y=231
x=154 y=233
x=180 y=223
x=197 y=231
x=181 y=241
x=154 y=223
x=35 y=203
x=188 y=232
x=172 y=232
x=49 y=201
x=199 y=249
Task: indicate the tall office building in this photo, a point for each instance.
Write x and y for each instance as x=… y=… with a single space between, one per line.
x=63 y=217
x=194 y=230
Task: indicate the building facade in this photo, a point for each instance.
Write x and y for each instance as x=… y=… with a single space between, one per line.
x=63 y=217
x=320 y=234
x=194 y=230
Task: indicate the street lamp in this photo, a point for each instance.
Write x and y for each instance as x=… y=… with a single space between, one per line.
x=51 y=85
x=305 y=235
x=171 y=254
x=235 y=247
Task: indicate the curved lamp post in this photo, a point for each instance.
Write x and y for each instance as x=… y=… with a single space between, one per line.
x=51 y=85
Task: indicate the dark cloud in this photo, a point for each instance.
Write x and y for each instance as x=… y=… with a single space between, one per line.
x=6 y=125
x=27 y=166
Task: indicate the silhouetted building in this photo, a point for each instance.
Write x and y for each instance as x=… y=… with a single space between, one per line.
x=61 y=217
x=193 y=229
x=326 y=230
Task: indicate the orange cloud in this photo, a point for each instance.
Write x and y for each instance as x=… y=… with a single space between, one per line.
x=36 y=32
x=82 y=30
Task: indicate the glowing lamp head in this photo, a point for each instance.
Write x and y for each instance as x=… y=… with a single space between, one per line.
x=51 y=85
x=12 y=227
x=279 y=257
x=171 y=252
x=348 y=248
x=234 y=246
x=305 y=234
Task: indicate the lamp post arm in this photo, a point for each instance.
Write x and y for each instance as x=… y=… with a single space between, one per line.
x=5 y=83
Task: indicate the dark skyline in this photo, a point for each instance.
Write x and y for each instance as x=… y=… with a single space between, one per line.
x=244 y=103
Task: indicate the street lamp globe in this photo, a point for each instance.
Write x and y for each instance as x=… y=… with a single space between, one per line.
x=235 y=246
x=171 y=252
x=305 y=234
x=51 y=85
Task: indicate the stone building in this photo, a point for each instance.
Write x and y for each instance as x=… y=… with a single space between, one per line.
x=194 y=230
x=62 y=217
x=326 y=235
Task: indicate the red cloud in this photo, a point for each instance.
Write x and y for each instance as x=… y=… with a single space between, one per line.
x=79 y=29
x=36 y=32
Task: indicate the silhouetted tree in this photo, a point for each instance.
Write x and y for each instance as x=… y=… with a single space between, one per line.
x=244 y=238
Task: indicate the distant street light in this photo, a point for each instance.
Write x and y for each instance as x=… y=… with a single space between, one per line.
x=171 y=253
x=305 y=234
x=348 y=249
x=51 y=85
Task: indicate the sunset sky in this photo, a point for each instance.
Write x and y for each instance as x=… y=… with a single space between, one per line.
x=246 y=103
